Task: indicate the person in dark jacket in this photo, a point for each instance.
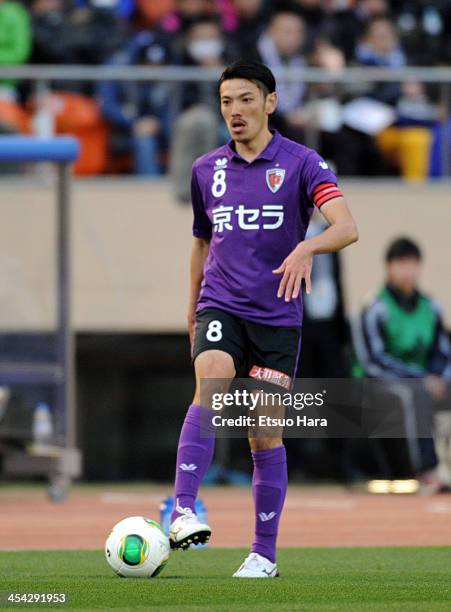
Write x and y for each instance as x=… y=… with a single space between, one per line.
x=139 y=113
x=400 y=337
x=81 y=35
x=198 y=125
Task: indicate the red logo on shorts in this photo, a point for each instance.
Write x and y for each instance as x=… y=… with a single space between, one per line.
x=271 y=376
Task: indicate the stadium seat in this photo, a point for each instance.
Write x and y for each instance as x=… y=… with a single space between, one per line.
x=151 y=12
x=14 y=118
x=407 y=148
x=81 y=117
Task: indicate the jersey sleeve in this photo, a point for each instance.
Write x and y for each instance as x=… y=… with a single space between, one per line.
x=201 y=223
x=319 y=182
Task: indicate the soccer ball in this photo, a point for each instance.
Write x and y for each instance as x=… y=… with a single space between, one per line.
x=137 y=547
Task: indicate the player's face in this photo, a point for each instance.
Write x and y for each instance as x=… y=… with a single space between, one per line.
x=245 y=109
x=404 y=274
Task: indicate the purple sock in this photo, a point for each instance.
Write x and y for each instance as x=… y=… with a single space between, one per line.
x=194 y=456
x=269 y=486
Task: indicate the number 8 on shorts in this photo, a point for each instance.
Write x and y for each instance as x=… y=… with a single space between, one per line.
x=214 y=331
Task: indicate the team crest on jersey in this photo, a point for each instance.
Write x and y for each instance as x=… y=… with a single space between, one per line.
x=275 y=178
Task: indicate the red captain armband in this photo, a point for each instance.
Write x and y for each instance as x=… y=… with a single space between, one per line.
x=325 y=192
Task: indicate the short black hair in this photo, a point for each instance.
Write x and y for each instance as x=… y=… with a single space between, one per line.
x=402 y=248
x=257 y=72
x=200 y=18
x=287 y=8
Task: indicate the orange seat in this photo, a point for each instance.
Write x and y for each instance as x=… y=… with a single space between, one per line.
x=151 y=11
x=15 y=117
x=80 y=116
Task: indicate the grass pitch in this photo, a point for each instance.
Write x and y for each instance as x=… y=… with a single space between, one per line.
x=345 y=579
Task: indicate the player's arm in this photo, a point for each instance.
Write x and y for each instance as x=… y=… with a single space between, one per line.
x=341 y=232
x=202 y=231
x=320 y=189
x=199 y=254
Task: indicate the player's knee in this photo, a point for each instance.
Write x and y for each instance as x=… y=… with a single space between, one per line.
x=214 y=364
x=214 y=372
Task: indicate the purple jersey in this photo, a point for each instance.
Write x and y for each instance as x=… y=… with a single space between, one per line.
x=254 y=215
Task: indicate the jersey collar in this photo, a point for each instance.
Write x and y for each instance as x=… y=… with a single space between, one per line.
x=268 y=152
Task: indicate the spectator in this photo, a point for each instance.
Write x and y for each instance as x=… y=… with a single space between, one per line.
x=185 y=12
x=198 y=126
x=400 y=335
x=175 y=24
x=314 y=16
x=15 y=39
x=425 y=31
x=15 y=42
x=138 y=113
x=348 y=24
x=282 y=45
x=99 y=31
x=414 y=106
x=407 y=145
x=251 y=16
x=323 y=112
x=82 y=36
x=122 y=8
x=371 y=108
x=445 y=53
x=149 y=14
x=53 y=34
x=380 y=47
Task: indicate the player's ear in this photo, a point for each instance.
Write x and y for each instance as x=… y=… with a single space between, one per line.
x=271 y=103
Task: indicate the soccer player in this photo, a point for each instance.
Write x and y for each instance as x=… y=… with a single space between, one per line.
x=252 y=200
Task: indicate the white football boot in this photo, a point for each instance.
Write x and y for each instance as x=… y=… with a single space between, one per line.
x=256 y=566
x=187 y=530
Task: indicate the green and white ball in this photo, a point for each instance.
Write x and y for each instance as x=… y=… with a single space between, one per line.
x=137 y=547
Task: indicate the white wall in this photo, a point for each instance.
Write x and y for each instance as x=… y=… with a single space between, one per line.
x=132 y=242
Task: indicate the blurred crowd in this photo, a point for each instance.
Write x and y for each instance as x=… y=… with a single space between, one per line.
x=150 y=128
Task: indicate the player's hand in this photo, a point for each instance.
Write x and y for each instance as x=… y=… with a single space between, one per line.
x=435 y=386
x=295 y=267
